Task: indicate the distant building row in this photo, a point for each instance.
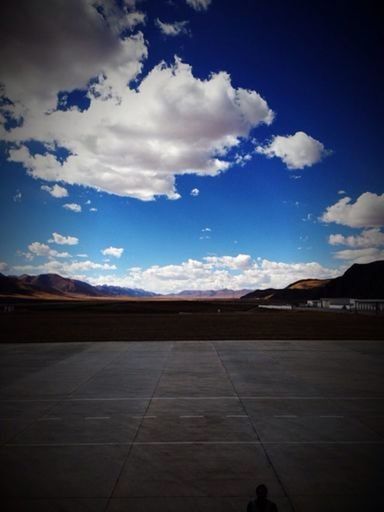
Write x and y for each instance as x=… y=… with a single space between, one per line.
x=363 y=305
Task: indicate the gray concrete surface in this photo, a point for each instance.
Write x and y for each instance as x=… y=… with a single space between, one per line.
x=192 y=426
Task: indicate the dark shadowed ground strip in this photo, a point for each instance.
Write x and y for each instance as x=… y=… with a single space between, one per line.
x=178 y=320
x=192 y=426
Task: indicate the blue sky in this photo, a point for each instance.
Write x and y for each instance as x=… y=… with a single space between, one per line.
x=183 y=144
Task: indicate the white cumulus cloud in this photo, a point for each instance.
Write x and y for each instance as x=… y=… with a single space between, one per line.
x=214 y=273
x=360 y=255
x=135 y=18
x=368 y=238
x=39 y=249
x=63 y=240
x=172 y=29
x=73 y=207
x=195 y=192
x=296 y=151
x=116 y=252
x=65 y=269
x=55 y=191
x=47 y=47
x=241 y=261
x=367 y=211
x=134 y=142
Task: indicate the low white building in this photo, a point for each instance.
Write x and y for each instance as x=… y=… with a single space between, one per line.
x=314 y=303
x=332 y=303
x=338 y=303
x=371 y=305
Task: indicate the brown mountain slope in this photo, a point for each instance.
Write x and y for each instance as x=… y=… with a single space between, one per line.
x=360 y=281
x=308 y=284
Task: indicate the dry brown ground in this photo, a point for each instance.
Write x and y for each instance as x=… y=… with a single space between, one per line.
x=177 y=320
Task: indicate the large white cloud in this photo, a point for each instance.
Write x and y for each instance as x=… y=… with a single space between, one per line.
x=47 y=47
x=367 y=211
x=367 y=238
x=133 y=142
x=296 y=151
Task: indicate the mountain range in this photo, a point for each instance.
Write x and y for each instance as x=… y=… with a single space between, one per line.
x=55 y=286
x=359 y=281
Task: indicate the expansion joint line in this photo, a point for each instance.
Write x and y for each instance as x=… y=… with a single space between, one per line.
x=254 y=429
x=132 y=443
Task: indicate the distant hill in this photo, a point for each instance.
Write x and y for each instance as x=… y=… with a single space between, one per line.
x=53 y=285
x=360 y=281
x=225 y=293
x=118 y=291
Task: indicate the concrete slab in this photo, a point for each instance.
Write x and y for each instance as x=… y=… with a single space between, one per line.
x=329 y=469
x=186 y=504
x=79 y=421
x=119 y=385
x=60 y=471
x=313 y=429
x=55 y=505
x=287 y=406
x=196 y=428
x=196 y=406
x=98 y=429
x=9 y=428
x=338 y=503
x=195 y=470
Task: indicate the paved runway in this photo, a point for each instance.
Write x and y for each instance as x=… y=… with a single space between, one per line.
x=192 y=426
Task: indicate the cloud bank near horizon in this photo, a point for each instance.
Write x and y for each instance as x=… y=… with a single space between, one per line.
x=209 y=273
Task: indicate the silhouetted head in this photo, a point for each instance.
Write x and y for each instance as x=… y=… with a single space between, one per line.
x=261 y=491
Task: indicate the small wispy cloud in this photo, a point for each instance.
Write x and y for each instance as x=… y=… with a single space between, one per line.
x=55 y=191
x=73 y=207
x=199 y=5
x=17 y=197
x=176 y=28
x=116 y=252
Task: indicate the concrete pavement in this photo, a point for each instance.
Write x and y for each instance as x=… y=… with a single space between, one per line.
x=192 y=426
